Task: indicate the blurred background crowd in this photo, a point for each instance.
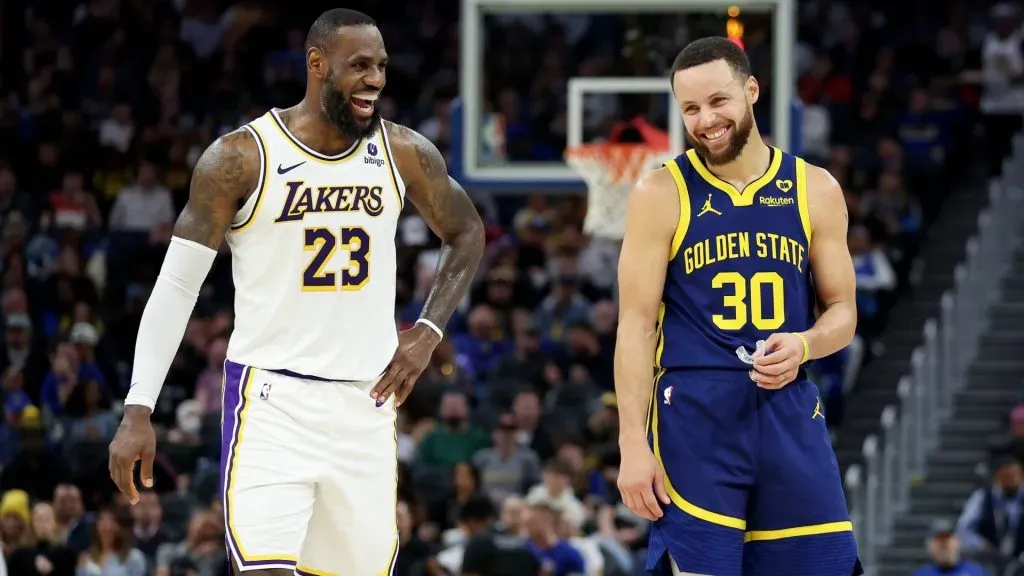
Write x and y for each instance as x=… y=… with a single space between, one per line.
x=508 y=445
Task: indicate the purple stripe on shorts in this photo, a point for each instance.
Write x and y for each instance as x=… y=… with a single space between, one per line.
x=234 y=389
x=229 y=417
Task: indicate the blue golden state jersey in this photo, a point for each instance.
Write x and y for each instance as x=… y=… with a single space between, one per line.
x=738 y=270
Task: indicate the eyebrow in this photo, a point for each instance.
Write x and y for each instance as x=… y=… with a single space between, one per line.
x=716 y=94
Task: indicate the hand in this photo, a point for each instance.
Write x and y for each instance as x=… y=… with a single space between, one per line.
x=642 y=482
x=134 y=441
x=415 y=346
x=43 y=565
x=780 y=361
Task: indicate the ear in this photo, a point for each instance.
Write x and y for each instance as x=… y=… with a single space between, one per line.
x=752 y=90
x=316 y=62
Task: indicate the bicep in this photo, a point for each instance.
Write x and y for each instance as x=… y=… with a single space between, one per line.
x=226 y=172
x=440 y=200
x=643 y=259
x=831 y=264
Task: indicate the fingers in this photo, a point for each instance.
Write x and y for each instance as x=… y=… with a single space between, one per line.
x=773 y=382
x=404 y=389
x=121 y=469
x=146 y=471
x=641 y=501
x=660 y=488
x=385 y=386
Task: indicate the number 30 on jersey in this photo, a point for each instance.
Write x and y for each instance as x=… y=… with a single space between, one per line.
x=745 y=300
x=323 y=242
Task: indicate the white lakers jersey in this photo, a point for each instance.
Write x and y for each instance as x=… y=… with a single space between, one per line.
x=313 y=258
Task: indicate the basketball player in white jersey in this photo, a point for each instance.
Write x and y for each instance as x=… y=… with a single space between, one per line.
x=308 y=199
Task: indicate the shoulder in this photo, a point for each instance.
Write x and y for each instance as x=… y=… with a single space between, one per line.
x=233 y=157
x=824 y=194
x=655 y=200
x=415 y=155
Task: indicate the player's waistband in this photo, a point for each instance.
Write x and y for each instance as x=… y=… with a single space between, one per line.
x=717 y=374
x=293 y=374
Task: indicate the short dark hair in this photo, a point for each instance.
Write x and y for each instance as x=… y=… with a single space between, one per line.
x=478 y=508
x=321 y=33
x=709 y=49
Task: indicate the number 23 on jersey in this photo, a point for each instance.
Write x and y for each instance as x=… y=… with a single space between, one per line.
x=323 y=242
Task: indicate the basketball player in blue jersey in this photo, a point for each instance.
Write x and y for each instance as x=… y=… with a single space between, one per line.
x=308 y=199
x=728 y=251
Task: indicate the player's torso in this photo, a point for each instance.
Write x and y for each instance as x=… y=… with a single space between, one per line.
x=741 y=271
x=313 y=258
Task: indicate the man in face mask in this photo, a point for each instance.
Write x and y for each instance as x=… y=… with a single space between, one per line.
x=944 y=551
x=454 y=439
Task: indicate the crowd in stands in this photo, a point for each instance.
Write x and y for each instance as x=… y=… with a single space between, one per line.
x=508 y=445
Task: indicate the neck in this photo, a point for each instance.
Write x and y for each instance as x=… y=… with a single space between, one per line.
x=306 y=122
x=749 y=165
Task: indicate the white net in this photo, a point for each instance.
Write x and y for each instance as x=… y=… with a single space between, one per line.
x=611 y=171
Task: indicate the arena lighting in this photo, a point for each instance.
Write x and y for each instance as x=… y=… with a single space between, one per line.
x=734 y=31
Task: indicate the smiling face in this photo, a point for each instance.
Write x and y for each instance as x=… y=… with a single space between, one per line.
x=353 y=75
x=718 y=109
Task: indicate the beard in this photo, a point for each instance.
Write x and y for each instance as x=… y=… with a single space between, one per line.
x=734 y=147
x=337 y=108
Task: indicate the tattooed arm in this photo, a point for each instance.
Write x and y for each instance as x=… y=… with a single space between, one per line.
x=226 y=172
x=448 y=211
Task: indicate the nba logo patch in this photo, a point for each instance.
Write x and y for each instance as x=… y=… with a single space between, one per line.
x=265 y=391
x=371 y=149
x=667 y=395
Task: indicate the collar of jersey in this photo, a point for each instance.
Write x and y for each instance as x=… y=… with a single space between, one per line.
x=746 y=196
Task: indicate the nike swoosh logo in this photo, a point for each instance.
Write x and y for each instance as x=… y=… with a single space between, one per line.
x=282 y=170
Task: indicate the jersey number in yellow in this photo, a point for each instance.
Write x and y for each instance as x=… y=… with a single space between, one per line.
x=744 y=298
x=323 y=242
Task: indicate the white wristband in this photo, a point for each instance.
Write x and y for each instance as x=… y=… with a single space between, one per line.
x=432 y=326
x=166 y=315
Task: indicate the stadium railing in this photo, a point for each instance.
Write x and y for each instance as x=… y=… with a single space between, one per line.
x=878 y=490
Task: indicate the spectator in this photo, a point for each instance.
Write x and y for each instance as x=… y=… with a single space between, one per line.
x=555 y=490
x=526 y=408
x=35 y=470
x=990 y=524
x=47 y=556
x=454 y=439
x=465 y=485
x=110 y=552
x=495 y=553
x=482 y=345
x=148 y=528
x=15 y=530
x=202 y=551
x=944 y=552
x=555 y=553
x=74 y=523
x=143 y=206
x=565 y=305
x=875 y=277
x=413 y=551
x=506 y=468
x=1002 y=68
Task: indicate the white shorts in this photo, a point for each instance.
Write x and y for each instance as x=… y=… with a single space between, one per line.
x=309 y=473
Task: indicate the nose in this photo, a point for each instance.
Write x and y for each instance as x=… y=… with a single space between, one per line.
x=375 y=79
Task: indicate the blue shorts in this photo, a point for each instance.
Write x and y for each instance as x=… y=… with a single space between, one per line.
x=753 y=480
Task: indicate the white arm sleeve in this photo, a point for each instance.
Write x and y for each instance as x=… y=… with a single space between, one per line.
x=166 y=316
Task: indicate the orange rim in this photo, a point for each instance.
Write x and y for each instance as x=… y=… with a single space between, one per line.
x=624 y=161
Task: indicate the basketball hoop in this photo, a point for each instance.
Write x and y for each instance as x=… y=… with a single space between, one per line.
x=611 y=169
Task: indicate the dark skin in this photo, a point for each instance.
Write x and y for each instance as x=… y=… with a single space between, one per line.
x=228 y=171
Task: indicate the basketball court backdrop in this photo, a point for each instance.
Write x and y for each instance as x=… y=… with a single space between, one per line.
x=484 y=156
